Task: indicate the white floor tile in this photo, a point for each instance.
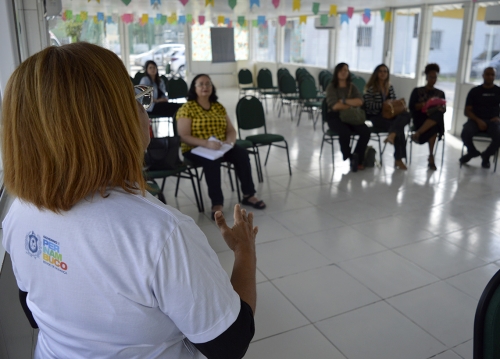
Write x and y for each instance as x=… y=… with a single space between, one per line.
x=287 y=256
x=274 y=314
x=355 y=211
x=473 y=282
x=324 y=292
x=270 y=229
x=387 y=274
x=465 y=350
x=428 y=306
x=378 y=331
x=480 y=240
x=439 y=257
x=449 y=354
x=301 y=343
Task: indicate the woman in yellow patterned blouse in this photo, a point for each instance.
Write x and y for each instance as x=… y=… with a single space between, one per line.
x=201 y=118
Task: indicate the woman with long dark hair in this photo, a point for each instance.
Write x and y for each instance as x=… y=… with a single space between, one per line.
x=203 y=117
x=379 y=89
x=341 y=95
x=160 y=106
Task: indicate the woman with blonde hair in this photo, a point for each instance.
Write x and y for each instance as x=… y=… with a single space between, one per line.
x=104 y=269
x=378 y=89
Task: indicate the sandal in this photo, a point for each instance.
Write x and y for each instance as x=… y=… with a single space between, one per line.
x=257 y=205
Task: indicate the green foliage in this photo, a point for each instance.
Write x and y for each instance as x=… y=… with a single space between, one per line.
x=73 y=30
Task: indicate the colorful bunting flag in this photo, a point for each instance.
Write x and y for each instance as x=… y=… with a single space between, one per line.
x=151 y=20
x=302 y=19
x=323 y=19
x=344 y=18
x=127 y=18
x=315 y=8
x=182 y=19
x=109 y=19
x=100 y=16
x=350 y=12
x=126 y=2
x=296 y=5
x=184 y=2
x=78 y=18
x=209 y=2
x=220 y=20
x=95 y=19
x=254 y=2
x=241 y=20
x=232 y=3
x=145 y=18
x=69 y=14
x=282 y=20
x=261 y=20
x=276 y=3
x=163 y=20
x=255 y=23
x=227 y=21
x=189 y=18
x=153 y=2
x=388 y=16
x=333 y=10
x=83 y=15
x=201 y=19
x=367 y=16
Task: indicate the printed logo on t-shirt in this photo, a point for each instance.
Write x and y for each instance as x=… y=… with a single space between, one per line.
x=33 y=245
x=489 y=94
x=52 y=255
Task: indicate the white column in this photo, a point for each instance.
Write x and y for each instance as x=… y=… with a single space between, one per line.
x=124 y=43
x=424 y=43
x=389 y=39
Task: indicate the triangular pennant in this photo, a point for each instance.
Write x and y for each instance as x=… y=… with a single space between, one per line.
x=333 y=10
x=350 y=12
x=302 y=19
x=366 y=19
x=323 y=19
x=182 y=19
x=95 y=19
x=276 y=3
x=368 y=12
x=173 y=18
x=382 y=14
x=344 y=18
x=241 y=20
x=69 y=14
x=388 y=16
x=282 y=20
x=100 y=16
x=127 y=18
x=126 y=2
x=227 y=21
x=209 y=2
x=201 y=19
x=315 y=8
x=255 y=23
x=84 y=15
x=109 y=19
x=261 y=20
x=151 y=20
x=189 y=18
x=158 y=17
x=220 y=20
x=184 y=2
x=78 y=18
x=232 y=3
x=163 y=20
x=145 y=18
x=254 y=2
x=296 y=5
x=230 y=23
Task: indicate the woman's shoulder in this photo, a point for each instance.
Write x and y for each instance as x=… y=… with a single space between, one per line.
x=218 y=107
x=145 y=80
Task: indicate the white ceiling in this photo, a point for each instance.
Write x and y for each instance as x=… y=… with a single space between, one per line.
x=221 y=8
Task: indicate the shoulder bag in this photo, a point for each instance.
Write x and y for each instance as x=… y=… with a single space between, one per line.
x=392 y=108
x=163 y=154
x=352 y=116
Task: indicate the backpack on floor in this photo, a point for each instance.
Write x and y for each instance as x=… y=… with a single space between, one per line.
x=369 y=157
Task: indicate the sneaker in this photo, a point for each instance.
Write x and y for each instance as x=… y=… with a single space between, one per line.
x=354 y=162
x=466 y=158
x=486 y=161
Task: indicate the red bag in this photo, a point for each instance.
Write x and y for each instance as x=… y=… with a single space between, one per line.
x=433 y=102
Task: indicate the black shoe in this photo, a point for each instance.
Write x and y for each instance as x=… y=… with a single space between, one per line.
x=486 y=161
x=466 y=158
x=354 y=162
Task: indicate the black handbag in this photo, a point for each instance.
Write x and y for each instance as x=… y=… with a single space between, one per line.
x=163 y=154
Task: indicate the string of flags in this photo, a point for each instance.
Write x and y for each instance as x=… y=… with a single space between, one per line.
x=160 y=19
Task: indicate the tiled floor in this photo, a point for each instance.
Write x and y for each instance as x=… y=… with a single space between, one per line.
x=375 y=264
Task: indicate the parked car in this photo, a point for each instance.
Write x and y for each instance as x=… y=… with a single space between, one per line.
x=178 y=63
x=54 y=41
x=159 y=54
x=480 y=62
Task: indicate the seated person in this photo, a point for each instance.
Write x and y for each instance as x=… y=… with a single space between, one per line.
x=160 y=106
x=377 y=90
x=134 y=278
x=341 y=95
x=201 y=118
x=429 y=124
x=482 y=110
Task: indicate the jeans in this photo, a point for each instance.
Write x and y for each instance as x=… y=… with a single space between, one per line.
x=396 y=125
x=471 y=128
x=239 y=157
x=345 y=131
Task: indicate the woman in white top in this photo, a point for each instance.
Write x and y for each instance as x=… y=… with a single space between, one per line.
x=104 y=269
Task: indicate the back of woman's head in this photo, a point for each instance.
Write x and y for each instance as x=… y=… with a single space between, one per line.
x=375 y=83
x=70 y=127
x=192 y=96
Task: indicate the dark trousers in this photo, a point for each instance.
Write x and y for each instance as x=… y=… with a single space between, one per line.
x=471 y=128
x=345 y=131
x=164 y=109
x=239 y=157
x=396 y=125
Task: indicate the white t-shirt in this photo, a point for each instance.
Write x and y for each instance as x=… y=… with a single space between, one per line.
x=118 y=277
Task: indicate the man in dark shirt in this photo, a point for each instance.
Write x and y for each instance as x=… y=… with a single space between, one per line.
x=482 y=109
